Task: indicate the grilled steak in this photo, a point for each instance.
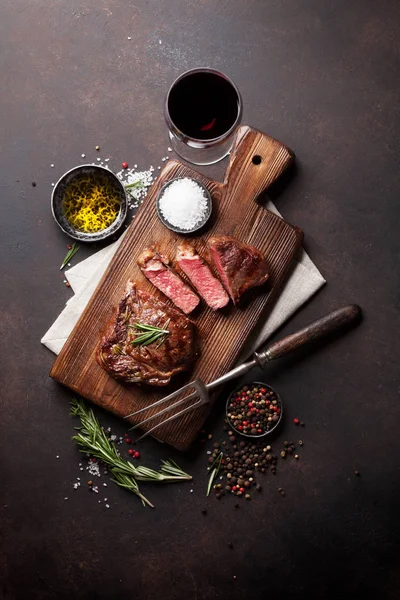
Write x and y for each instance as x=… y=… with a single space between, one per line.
x=155 y=267
x=200 y=275
x=157 y=362
x=240 y=266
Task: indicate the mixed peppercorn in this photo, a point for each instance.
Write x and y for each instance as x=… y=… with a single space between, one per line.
x=254 y=410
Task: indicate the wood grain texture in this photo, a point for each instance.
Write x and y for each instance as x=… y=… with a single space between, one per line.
x=220 y=334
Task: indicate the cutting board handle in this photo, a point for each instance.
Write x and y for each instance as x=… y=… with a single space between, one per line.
x=256 y=161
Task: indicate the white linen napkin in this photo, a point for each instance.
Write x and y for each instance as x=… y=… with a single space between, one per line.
x=303 y=282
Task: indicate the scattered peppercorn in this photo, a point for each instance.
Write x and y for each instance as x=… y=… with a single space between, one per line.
x=230 y=545
x=33 y=183
x=98 y=148
x=125 y=165
x=296 y=456
x=90 y=482
x=300 y=442
x=204 y=511
x=296 y=421
x=357 y=473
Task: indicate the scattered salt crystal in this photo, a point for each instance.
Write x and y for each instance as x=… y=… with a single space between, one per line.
x=57 y=456
x=129 y=38
x=167 y=157
x=106 y=159
x=105 y=485
x=68 y=264
x=52 y=184
x=158 y=167
x=105 y=499
x=169 y=149
x=66 y=498
x=107 y=506
x=191 y=491
x=83 y=155
x=75 y=486
x=52 y=166
x=208 y=451
x=98 y=158
x=135 y=166
x=184 y=204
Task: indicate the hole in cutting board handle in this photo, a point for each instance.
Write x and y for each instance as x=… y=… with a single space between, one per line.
x=256 y=160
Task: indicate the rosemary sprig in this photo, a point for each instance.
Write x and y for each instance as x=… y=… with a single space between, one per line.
x=92 y=440
x=135 y=184
x=214 y=468
x=74 y=249
x=148 y=334
x=131 y=188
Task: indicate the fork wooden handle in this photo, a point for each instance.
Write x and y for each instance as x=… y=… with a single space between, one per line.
x=328 y=324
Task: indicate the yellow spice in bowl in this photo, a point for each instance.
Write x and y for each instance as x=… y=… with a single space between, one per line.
x=91 y=203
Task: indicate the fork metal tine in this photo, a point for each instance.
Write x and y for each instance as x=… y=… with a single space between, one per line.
x=164 y=410
x=165 y=399
x=197 y=404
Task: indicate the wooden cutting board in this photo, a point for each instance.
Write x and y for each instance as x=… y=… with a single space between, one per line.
x=256 y=161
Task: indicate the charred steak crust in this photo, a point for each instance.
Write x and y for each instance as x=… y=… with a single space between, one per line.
x=156 y=268
x=239 y=265
x=156 y=363
x=202 y=278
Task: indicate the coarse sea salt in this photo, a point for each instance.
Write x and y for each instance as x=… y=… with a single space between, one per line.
x=144 y=179
x=184 y=204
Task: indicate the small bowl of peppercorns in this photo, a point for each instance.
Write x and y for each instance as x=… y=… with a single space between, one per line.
x=254 y=410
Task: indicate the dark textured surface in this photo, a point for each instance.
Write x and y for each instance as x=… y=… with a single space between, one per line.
x=323 y=78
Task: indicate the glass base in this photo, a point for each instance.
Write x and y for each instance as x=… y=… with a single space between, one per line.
x=201 y=156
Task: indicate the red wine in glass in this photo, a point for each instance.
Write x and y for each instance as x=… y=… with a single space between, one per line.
x=202 y=110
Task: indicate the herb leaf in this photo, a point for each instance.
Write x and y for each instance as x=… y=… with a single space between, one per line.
x=92 y=440
x=74 y=249
x=148 y=334
x=214 y=468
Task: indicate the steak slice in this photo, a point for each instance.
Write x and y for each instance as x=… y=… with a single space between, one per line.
x=200 y=275
x=156 y=363
x=239 y=265
x=155 y=267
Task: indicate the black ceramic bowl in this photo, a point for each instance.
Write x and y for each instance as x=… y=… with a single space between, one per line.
x=58 y=196
x=178 y=229
x=269 y=431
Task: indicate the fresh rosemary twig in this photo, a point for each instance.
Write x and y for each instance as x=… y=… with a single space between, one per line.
x=74 y=249
x=135 y=184
x=214 y=468
x=131 y=188
x=92 y=440
x=148 y=334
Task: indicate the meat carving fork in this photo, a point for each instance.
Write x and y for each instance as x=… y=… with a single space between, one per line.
x=200 y=396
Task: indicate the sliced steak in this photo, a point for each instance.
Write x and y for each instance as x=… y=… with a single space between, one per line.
x=240 y=266
x=155 y=267
x=200 y=275
x=157 y=362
